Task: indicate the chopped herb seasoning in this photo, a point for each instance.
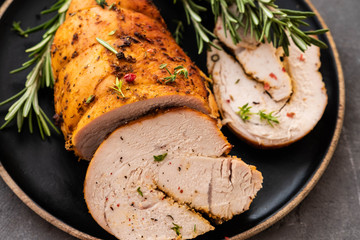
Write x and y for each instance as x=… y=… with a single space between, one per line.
x=176 y=228
x=111 y=6
x=159 y=158
x=106 y=45
x=139 y=191
x=268 y=117
x=112 y=32
x=244 y=112
x=90 y=99
x=177 y=72
x=101 y=3
x=195 y=228
x=237 y=81
x=117 y=87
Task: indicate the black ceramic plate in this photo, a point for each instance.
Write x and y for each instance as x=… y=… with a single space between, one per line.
x=53 y=178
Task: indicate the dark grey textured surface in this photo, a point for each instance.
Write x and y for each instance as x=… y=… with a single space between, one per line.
x=332 y=209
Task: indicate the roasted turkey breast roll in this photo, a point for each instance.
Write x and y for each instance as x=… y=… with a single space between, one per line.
x=97 y=90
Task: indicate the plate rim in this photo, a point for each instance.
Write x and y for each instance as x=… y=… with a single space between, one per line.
x=287 y=208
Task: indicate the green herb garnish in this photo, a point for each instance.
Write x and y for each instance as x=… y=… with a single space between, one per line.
x=262 y=19
x=111 y=6
x=159 y=158
x=177 y=72
x=268 y=117
x=101 y=3
x=112 y=32
x=139 y=191
x=195 y=228
x=90 y=99
x=176 y=228
x=106 y=45
x=244 y=112
x=117 y=87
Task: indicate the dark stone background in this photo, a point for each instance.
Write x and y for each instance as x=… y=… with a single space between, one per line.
x=332 y=209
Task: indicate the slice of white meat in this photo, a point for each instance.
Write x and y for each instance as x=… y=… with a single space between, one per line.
x=126 y=189
x=224 y=189
x=261 y=61
x=296 y=116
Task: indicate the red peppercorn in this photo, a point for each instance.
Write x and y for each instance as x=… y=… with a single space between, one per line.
x=283 y=69
x=129 y=77
x=301 y=58
x=272 y=75
x=290 y=115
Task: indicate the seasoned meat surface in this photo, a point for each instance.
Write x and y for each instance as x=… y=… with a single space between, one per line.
x=85 y=71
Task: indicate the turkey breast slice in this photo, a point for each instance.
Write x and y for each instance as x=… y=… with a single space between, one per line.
x=126 y=189
x=297 y=116
x=259 y=60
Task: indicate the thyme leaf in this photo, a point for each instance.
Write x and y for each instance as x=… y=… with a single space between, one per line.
x=112 y=32
x=179 y=70
x=90 y=99
x=101 y=3
x=159 y=158
x=270 y=119
x=139 y=191
x=117 y=87
x=176 y=228
x=244 y=112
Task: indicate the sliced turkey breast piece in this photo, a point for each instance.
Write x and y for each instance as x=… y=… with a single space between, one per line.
x=171 y=163
x=296 y=117
x=87 y=106
x=247 y=42
x=259 y=60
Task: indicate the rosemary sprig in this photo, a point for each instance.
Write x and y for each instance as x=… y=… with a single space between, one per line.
x=179 y=70
x=40 y=76
x=117 y=87
x=262 y=19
